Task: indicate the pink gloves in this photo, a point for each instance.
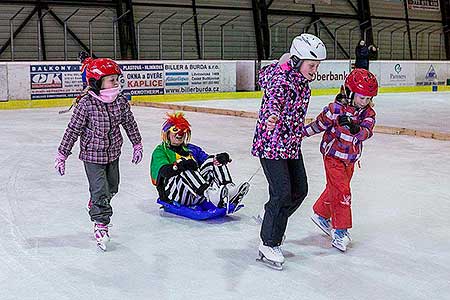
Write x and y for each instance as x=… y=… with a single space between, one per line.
x=60 y=163
x=137 y=153
x=60 y=159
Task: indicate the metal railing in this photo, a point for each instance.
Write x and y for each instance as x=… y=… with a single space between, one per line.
x=39 y=38
x=91 y=41
x=391 y=40
x=287 y=32
x=417 y=37
x=282 y=42
x=182 y=35
x=203 y=34
x=222 y=36
x=138 y=33
x=65 y=31
x=11 y=31
x=160 y=36
x=272 y=47
x=336 y=36
x=114 y=23
x=404 y=38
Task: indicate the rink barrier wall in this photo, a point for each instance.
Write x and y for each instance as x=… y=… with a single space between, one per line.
x=60 y=102
x=62 y=79
x=254 y=115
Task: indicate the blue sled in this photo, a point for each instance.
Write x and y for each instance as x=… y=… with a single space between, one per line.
x=203 y=211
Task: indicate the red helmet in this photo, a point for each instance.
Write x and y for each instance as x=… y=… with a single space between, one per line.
x=362 y=82
x=99 y=68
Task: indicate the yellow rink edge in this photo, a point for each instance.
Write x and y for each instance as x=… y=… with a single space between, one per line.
x=60 y=102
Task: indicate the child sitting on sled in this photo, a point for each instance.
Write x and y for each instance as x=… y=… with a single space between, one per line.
x=186 y=175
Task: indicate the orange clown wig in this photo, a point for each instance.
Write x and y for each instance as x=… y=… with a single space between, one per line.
x=177 y=124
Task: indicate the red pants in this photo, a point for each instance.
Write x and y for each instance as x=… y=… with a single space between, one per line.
x=335 y=201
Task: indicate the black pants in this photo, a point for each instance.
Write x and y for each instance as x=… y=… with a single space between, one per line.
x=103 y=184
x=288 y=188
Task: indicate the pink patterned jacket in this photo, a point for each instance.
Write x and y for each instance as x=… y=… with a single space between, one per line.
x=337 y=141
x=286 y=95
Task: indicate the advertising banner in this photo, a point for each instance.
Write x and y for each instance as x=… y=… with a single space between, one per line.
x=149 y=78
x=199 y=77
x=424 y=5
x=432 y=73
x=142 y=79
x=397 y=73
x=55 y=81
x=331 y=74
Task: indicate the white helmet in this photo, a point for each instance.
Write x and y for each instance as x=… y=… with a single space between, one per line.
x=308 y=46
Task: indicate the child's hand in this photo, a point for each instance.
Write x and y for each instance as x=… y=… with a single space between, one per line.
x=137 y=153
x=271 y=121
x=223 y=158
x=342 y=96
x=344 y=120
x=354 y=128
x=187 y=164
x=60 y=163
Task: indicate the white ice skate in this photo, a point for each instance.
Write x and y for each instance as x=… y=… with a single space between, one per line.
x=217 y=195
x=341 y=239
x=236 y=193
x=271 y=256
x=322 y=223
x=101 y=235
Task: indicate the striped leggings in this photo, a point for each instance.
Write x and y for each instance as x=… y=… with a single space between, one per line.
x=184 y=188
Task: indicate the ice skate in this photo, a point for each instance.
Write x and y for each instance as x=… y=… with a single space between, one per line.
x=101 y=235
x=322 y=223
x=217 y=195
x=236 y=193
x=341 y=239
x=271 y=256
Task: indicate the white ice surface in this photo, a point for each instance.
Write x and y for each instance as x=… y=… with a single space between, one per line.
x=401 y=235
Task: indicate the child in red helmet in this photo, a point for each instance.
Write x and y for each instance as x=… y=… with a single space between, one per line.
x=347 y=122
x=96 y=121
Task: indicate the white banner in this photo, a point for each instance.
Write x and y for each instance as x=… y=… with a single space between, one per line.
x=55 y=80
x=431 y=73
x=63 y=80
x=199 y=77
x=331 y=74
x=143 y=79
x=424 y=4
x=397 y=73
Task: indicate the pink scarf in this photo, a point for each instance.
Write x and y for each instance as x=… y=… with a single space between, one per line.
x=106 y=95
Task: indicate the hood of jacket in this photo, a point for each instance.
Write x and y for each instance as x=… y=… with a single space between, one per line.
x=276 y=69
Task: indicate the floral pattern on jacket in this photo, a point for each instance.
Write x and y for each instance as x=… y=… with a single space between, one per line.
x=286 y=95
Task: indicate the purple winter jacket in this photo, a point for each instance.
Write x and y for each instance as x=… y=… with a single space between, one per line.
x=286 y=95
x=97 y=124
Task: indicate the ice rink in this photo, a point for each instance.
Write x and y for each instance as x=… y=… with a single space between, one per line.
x=401 y=208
